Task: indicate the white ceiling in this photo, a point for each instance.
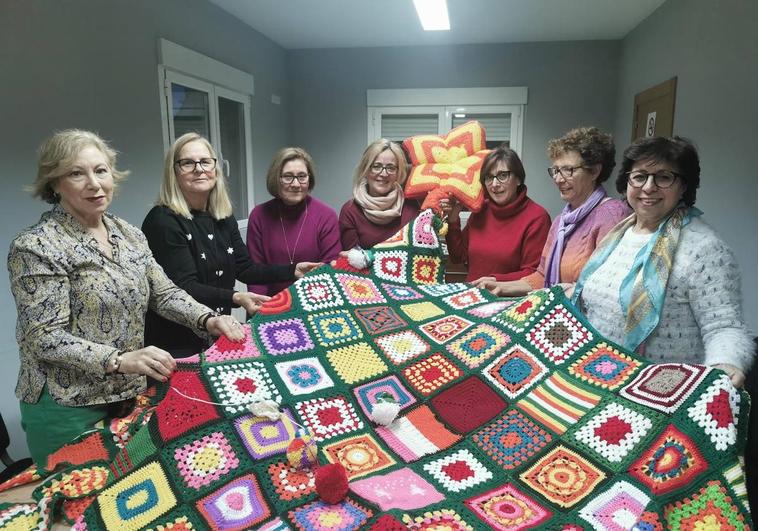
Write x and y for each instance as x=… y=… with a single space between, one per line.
x=295 y=24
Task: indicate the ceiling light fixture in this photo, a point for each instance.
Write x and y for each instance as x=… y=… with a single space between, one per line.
x=433 y=14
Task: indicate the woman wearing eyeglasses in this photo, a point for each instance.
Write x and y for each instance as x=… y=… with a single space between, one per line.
x=195 y=238
x=504 y=240
x=582 y=160
x=294 y=226
x=378 y=208
x=663 y=283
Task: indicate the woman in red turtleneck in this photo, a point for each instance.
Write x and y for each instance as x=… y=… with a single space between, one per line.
x=504 y=240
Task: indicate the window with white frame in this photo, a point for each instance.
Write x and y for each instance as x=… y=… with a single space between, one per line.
x=191 y=102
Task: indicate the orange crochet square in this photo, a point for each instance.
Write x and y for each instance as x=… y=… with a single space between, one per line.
x=430 y=374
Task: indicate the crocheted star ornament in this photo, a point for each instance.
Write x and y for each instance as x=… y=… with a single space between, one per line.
x=511 y=414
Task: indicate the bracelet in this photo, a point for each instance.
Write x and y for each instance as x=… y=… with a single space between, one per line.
x=204 y=319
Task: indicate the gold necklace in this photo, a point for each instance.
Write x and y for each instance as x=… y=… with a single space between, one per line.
x=297 y=240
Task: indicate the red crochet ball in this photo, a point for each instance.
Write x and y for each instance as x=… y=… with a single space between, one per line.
x=331 y=482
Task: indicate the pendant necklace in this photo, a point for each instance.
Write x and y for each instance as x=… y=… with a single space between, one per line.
x=291 y=255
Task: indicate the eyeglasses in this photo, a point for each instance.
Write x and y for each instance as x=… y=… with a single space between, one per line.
x=289 y=178
x=501 y=176
x=567 y=172
x=188 y=165
x=377 y=168
x=661 y=179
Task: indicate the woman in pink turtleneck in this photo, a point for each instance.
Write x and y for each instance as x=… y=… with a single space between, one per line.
x=504 y=240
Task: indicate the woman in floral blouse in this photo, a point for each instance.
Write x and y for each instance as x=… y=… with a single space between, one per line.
x=83 y=280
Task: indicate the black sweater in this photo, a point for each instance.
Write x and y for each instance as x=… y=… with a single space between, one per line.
x=204 y=257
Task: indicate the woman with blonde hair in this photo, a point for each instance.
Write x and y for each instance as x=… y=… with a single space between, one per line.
x=195 y=237
x=293 y=226
x=378 y=208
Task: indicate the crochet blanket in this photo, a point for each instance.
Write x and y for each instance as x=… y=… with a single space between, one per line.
x=514 y=414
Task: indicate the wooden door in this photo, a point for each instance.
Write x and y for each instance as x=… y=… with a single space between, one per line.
x=654 y=111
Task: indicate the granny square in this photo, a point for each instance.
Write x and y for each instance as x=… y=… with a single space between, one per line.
x=426 y=269
x=478 y=344
x=604 y=366
x=458 y=471
x=619 y=507
x=665 y=386
x=359 y=290
x=303 y=376
x=424 y=235
x=237 y=505
x=421 y=311
x=205 y=460
x=390 y=265
x=417 y=434
x=401 y=293
x=559 y=402
x=400 y=489
x=438 y=290
x=359 y=454
x=263 y=437
x=356 y=363
x=291 y=483
x=319 y=515
x=240 y=384
x=491 y=308
x=446 y=519
x=334 y=327
x=430 y=374
x=379 y=319
x=318 y=292
x=563 y=476
x=400 y=347
x=399 y=239
x=224 y=349
x=559 y=335
x=329 y=417
x=524 y=311
x=177 y=414
x=671 y=462
x=285 y=336
x=709 y=508
x=136 y=499
x=464 y=299
x=507 y=507
x=512 y=439
x=515 y=371
x=717 y=411
x=367 y=394
x=467 y=405
x=446 y=328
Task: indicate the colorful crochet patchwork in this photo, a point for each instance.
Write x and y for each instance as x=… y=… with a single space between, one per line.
x=513 y=414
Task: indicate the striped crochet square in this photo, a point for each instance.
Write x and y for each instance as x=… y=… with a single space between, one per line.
x=426 y=270
x=605 y=367
x=329 y=417
x=515 y=371
x=711 y=507
x=334 y=327
x=466 y=405
x=525 y=310
x=359 y=454
x=512 y=439
x=421 y=311
x=559 y=402
x=563 y=476
x=367 y=394
x=236 y=506
x=458 y=471
x=401 y=293
x=430 y=374
x=559 y=335
x=619 y=507
x=665 y=386
x=318 y=292
x=304 y=376
x=417 y=434
x=506 y=507
x=446 y=328
x=391 y=265
x=279 y=303
x=320 y=516
x=716 y=412
x=356 y=363
x=379 y=319
x=242 y=383
x=464 y=299
x=291 y=483
x=478 y=344
x=285 y=336
x=359 y=291
x=400 y=347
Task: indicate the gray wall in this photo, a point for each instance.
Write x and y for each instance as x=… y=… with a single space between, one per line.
x=93 y=65
x=570 y=84
x=712 y=48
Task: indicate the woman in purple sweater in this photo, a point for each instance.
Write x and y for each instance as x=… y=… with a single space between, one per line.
x=293 y=226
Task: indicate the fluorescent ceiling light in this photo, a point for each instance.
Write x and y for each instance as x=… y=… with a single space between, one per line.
x=433 y=14
x=459 y=115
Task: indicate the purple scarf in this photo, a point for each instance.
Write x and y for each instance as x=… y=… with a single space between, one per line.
x=569 y=220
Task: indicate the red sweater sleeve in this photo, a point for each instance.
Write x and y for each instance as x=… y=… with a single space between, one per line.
x=457 y=242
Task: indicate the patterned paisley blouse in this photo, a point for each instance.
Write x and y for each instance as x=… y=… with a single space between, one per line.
x=77 y=307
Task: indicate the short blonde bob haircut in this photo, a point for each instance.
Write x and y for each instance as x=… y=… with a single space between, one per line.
x=57 y=156
x=369 y=156
x=282 y=157
x=171 y=196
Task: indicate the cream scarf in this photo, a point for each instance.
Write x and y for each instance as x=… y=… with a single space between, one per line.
x=379 y=210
